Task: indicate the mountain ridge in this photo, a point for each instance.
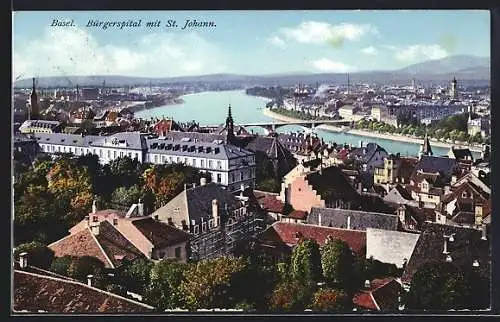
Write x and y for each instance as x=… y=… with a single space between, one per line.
x=460 y=66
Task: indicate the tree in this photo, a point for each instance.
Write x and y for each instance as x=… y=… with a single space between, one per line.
x=60 y=265
x=290 y=296
x=137 y=276
x=306 y=262
x=337 y=263
x=163 y=291
x=208 y=283
x=83 y=266
x=39 y=255
x=126 y=197
x=270 y=185
x=287 y=209
x=442 y=286
x=328 y=300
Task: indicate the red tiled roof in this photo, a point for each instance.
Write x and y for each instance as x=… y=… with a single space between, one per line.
x=381 y=295
x=365 y=300
x=82 y=243
x=269 y=201
x=33 y=292
x=298 y=214
x=160 y=233
x=286 y=232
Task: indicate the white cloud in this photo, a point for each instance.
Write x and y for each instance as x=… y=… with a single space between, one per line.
x=314 y=32
x=369 y=51
x=327 y=65
x=276 y=41
x=74 y=51
x=419 y=52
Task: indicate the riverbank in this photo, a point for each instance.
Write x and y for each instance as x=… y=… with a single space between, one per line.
x=365 y=133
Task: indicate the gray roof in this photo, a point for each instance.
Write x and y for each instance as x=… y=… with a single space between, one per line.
x=19 y=138
x=134 y=140
x=366 y=153
x=391 y=247
x=40 y=123
x=189 y=147
x=199 y=200
x=360 y=220
x=444 y=165
x=66 y=139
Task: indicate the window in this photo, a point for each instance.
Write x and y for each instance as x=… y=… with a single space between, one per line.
x=203 y=226
x=114 y=154
x=211 y=223
x=130 y=154
x=94 y=218
x=219 y=165
x=163 y=159
x=202 y=163
x=194 y=162
x=219 y=178
x=137 y=156
x=115 y=221
x=465 y=194
x=109 y=154
x=178 y=159
x=121 y=154
x=170 y=159
x=210 y=163
x=185 y=160
x=155 y=158
x=196 y=230
x=93 y=151
x=241 y=176
x=232 y=177
x=100 y=153
x=177 y=252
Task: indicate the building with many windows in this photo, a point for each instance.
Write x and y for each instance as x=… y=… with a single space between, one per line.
x=229 y=165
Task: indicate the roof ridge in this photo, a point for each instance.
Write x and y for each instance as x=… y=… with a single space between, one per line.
x=317 y=226
x=84 y=285
x=357 y=211
x=100 y=247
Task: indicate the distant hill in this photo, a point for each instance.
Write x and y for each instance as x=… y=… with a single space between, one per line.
x=447 y=65
x=463 y=67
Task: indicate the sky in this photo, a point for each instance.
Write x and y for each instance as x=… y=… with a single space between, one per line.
x=242 y=42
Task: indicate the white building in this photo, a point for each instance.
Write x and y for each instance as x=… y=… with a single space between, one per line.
x=228 y=165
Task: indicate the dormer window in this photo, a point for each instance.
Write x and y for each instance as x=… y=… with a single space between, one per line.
x=465 y=194
x=203 y=227
x=196 y=230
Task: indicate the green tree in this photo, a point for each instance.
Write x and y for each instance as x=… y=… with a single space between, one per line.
x=442 y=286
x=137 y=276
x=287 y=209
x=165 y=280
x=39 y=255
x=83 y=266
x=60 y=265
x=337 y=262
x=127 y=197
x=305 y=262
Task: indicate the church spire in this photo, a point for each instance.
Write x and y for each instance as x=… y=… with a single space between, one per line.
x=426 y=147
x=34 y=103
x=229 y=125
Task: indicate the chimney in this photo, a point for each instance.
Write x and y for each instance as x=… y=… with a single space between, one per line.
x=140 y=208
x=23 y=260
x=87 y=219
x=215 y=211
x=349 y=222
x=319 y=219
x=203 y=181
x=95 y=229
x=89 y=279
x=483 y=232
x=367 y=284
x=94 y=206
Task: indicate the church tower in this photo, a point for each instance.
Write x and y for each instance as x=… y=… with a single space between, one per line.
x=35 y=112
x=425 y=149
x=229 y=126
x=453 y=92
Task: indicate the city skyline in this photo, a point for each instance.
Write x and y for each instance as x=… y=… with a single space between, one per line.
x=249 y=43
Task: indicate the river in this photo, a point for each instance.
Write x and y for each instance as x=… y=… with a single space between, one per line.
x=210 y=108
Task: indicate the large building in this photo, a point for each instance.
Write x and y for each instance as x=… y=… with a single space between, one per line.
x=229 y=165
x=216 y=219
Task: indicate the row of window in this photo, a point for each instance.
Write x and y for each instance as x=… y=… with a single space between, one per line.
x=233 y=177
x=197 y=163
x=211 y=224
x=82 y=151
